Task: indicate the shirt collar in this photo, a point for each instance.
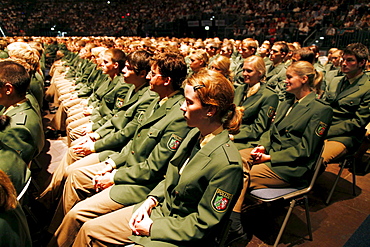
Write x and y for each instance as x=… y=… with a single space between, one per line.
x=162 y=101
x=15 y=105
x=204 y=140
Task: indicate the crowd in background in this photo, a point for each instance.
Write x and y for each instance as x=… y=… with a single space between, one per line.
x=279 y=19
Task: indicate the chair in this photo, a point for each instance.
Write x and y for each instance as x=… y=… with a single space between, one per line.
x=349 y=161
x=21 y=196
x=293 y=195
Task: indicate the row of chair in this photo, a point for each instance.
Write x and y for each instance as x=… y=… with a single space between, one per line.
x=293 y=196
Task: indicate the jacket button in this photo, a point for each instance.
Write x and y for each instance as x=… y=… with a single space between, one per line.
x=227 y=145
x=176 y=192
x=138 y=135
x=150 y=133
x=133 y=152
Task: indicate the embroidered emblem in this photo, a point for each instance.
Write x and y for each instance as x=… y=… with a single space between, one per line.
x=221 y=200
x=320 y=130
x=174 y=142
x=271 y=112
x=120 y=102
x=141 y=116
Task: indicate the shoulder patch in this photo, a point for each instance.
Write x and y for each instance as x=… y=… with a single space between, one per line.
x=174 y=142
x=120 y=102
x=320 y=130
x=221 y=200
x=271 y=112
x=20 y=118
x=141 y=116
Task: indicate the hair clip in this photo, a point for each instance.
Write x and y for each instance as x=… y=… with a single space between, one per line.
x=196 y=87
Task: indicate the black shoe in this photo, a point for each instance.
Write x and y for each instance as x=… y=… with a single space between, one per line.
x=51 y=134
x=237 y=238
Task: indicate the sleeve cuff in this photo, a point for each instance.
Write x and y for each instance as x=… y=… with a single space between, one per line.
x=112 y=175
x=111 y=162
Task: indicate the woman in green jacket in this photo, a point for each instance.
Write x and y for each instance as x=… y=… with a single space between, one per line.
x=201 y=183
x=285 y=155
x=258 y=101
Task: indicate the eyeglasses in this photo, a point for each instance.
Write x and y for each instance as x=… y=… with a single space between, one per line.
x=151 y=74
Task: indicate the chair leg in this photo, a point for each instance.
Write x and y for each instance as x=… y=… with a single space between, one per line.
x=354 y=177
x=291 y=206
x=308 y=219
x=336 y=181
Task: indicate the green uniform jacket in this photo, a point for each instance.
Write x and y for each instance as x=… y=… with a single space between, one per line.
x=143 y=162
x=93 y=83
x=14 y=230
x=37 y=88
x=294 y=141
x=120 y=129
x=105 y=86
x=351 y=111
x=271 y=71
x=13 y=165
x=24 y=134
x=259 y=110
x=193 y=203
x=84 y=88
x=104 y=108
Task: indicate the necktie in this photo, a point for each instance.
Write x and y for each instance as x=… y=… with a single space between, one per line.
x=291 y=108
x=344 y=85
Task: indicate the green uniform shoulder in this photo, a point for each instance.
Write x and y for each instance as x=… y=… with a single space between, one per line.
x=231 y=152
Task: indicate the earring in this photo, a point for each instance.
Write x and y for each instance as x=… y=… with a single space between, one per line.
x=209 y=114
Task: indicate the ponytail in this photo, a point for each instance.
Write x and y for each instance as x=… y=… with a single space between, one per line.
x=233 y=119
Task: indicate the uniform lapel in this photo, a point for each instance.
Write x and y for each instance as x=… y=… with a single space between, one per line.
x=282 y=110
x=202 y=158
x=351 y=88
x=161 y=111
x=297 y=112
x=251 y=99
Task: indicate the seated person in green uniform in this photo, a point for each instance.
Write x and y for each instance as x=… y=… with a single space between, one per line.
x=201 y=184
x=287 y=152
x=24 y=134
x=198 y=60
x=258 y=101
x=14 y=230
x=114 y=179
x=221 y=64
x=349 y=96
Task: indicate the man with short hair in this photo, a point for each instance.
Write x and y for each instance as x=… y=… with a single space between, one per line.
x=24 y=134
x=349 y=96
x=127 y=177
x=248 y=48
x=277 y=54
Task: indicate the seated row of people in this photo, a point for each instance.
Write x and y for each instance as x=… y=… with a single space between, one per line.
x=131 y=137
x=300 y=82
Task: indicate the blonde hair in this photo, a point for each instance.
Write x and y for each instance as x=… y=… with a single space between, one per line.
x=222 y=63
x=258 y=64
x=24 y=51
x=214 y=89
x=201 y=55
x=304 y=68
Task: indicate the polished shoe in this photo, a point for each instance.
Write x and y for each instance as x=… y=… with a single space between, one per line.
x=51 y=134
x=237 y=238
